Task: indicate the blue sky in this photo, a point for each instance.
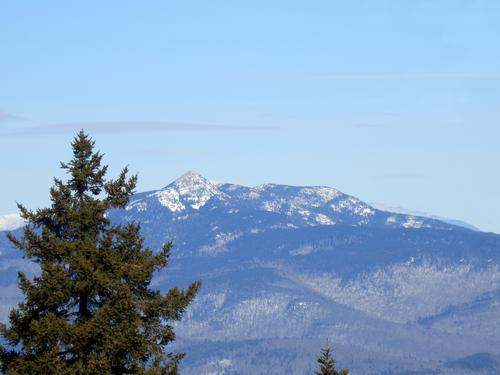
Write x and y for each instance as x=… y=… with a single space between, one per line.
x=391 y=101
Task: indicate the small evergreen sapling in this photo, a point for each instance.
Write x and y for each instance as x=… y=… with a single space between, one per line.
x=327 y=363
x=91 y=309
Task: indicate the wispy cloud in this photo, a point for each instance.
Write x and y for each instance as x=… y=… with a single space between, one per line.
x=176 y=152
x=382 y=114
x=417 y=76
x=127 y=127
x=278 y=116
x=8 y=117
x=397 y=176
x=366 y=125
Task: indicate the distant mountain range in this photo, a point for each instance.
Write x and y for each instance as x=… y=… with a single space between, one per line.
x=284 y=268
x=405 y=211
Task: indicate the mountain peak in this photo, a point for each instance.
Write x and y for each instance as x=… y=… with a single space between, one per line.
x=190 y=178
x=191 y=189
x=192 y=183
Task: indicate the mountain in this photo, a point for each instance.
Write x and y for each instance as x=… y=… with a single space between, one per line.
x=284 y=268
x=193 y=202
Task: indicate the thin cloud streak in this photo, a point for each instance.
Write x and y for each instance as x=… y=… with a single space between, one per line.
x=127 y=127
x=176 y=152
x=278 y=116
x=362 y=77
x=397 y=176
x=366 y=125
x=9 y=117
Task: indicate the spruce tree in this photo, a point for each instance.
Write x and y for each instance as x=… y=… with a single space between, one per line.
x=327 y=363
x=91 y=309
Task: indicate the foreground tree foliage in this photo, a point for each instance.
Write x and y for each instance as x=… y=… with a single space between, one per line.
x=91 y=309
x=327 y=363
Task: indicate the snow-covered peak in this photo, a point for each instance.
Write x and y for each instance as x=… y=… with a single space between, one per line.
x=191 y=189
x=189 y=180
x=303 y=205
x=10 y=222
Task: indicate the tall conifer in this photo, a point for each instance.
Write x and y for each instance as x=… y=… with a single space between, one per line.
x=91 y=309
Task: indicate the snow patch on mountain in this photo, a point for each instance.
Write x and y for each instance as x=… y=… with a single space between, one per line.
x=274 y=205
x=190 y=190
x=194 y=189
x=319 y=194
x=324 y=220
x=409 y=291
x=314 y=197
x=414 y=222
x=404 y=211
x=137 y=204
x=353 y=205
x=302 y=250
x=10 y=222
x=221 y=239
x=170 y=198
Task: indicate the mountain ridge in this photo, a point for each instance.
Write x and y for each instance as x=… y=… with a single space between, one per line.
x=285 y=267
x=313 y=205
x=192 y=191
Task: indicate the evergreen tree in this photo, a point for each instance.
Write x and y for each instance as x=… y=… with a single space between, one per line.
x=91 y=309
x=327 y=363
